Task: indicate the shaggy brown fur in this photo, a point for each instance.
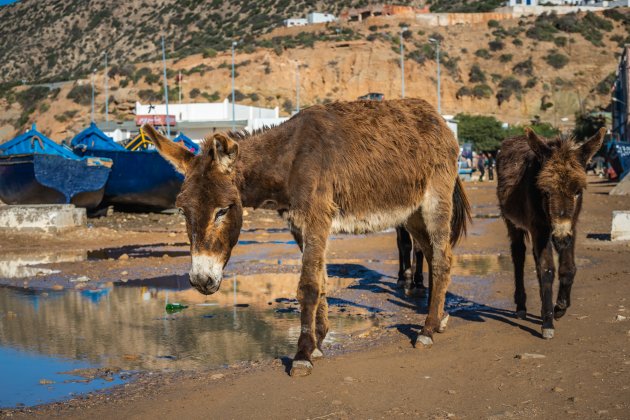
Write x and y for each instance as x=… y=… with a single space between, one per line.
x=540 y=184
x=347 y=166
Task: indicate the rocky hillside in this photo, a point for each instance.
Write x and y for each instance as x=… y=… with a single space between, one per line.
x=550 y=67
x=62 y=40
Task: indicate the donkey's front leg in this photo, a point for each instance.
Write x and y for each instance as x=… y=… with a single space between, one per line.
x=321 y=320
x=546 y=271
x=309 y=290
x=566 y=274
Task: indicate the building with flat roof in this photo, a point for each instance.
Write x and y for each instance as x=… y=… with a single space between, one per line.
x=195 y=120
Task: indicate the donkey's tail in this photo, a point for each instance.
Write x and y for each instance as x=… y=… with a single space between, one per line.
x=461 y=213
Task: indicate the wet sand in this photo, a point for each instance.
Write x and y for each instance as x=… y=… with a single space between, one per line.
x=472 y=371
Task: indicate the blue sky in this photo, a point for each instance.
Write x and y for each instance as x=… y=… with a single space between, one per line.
x=5 y=2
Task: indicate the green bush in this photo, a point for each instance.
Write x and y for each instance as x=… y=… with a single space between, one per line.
x=560 y=41
x=505 y=58
x=476 y=75
x=463 y=91
x=148 y=95
x=484 y=132
x=557 y=60
x=509 y=86
x=483 y=53
x=496 y=45
x=81 y=94
x=482 y=91
x=194 y=93
x=524 y=68
x=517 y=42
x=492 y=23
x=29 y=98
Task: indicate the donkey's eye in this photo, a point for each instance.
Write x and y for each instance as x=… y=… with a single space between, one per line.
x=222 y=212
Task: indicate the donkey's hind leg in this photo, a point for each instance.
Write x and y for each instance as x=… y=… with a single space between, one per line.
x=403 y=240
x=518 y=250
x=433 y=224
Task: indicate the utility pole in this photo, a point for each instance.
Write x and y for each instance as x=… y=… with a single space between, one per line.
x=168 y=126
x=106 y=92
x=402 y=61
x=437 y=57
x=297 y=86
x=93 y=72
x=179 y=86
x=234 y=43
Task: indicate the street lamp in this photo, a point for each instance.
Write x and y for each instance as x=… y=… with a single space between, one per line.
x=402 y=61
x=437 y=55
x=93 y=73
x=168 y=125
x=297 y=86
x=106 y=93
x=234 y=44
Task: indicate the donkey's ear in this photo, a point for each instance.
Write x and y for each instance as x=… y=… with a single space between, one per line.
x=537 y=144
x=179 y=157
x=225 y=151
x=591 y=146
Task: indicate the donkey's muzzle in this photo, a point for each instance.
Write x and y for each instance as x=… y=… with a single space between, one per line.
x=562 y=242
x=204 y=285
x=206 y=273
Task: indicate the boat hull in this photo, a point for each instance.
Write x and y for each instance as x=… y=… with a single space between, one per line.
x=140 y=180
x=51 y=179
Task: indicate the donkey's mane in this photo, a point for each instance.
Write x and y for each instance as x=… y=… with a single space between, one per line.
x=236 y=135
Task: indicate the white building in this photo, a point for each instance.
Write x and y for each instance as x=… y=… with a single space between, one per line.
x=318 y=17
x=295 y=22
x=197 y=120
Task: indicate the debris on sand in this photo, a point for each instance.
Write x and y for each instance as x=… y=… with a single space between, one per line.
x=123 y=257
x=620 y=318
x=217 y=376
x=81 y=279
x=104 y=373
x=524 y=356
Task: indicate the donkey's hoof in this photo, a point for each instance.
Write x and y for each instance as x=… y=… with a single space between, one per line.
x=547 y=333
x=301 y=368
x=443 y=323
x=317 y=354
x=425 y=341
x=522 y=314
x=400 y=284
x=558 y=312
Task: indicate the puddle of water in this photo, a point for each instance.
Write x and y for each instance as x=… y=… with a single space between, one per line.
x=125 y=325
x=17 y=265
x=42 y=382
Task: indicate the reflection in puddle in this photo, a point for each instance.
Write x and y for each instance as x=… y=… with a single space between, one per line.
x=125 y=325
x=17 y=265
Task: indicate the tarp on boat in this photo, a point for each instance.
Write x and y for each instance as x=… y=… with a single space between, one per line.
x=93 y=138
x=141 y=179
x=190 y=145
x=36 y=170
x=34 y=142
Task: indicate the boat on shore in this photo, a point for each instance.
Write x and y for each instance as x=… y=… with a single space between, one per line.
x=140 y=180
x=36 y=170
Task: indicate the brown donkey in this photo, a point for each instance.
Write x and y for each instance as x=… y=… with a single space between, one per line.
x=347 y=166
x=540 y=184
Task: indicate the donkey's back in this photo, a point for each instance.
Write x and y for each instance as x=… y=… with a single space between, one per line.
x=377 y=159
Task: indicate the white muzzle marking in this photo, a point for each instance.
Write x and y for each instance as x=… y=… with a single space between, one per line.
x=207 y=267
x=562 y=228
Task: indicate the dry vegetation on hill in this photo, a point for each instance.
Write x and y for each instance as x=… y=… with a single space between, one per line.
x=550 y=66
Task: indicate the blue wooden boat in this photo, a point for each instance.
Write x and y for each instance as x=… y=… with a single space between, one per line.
x=186 y=141
x=36 y=170
x=140 y=179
